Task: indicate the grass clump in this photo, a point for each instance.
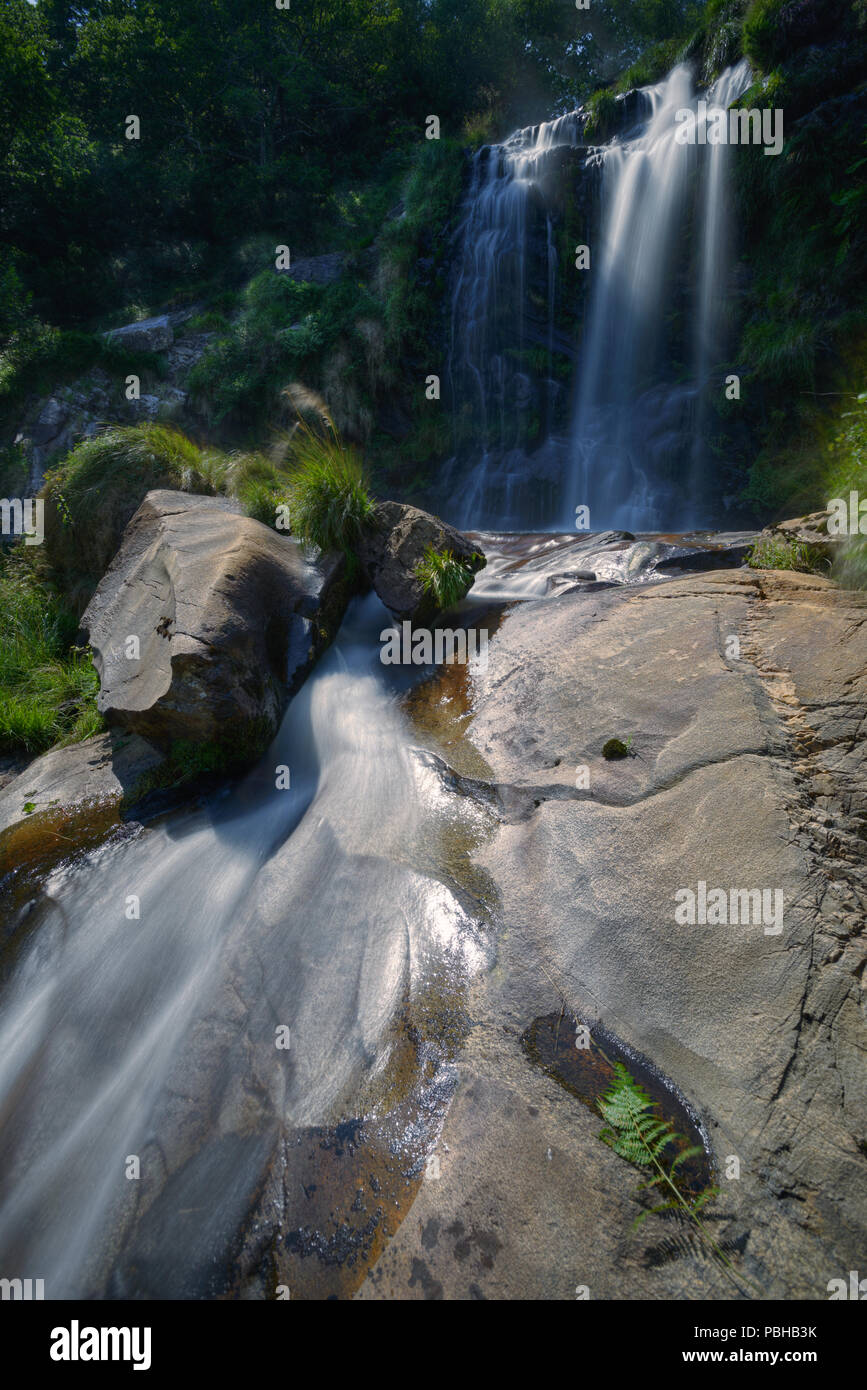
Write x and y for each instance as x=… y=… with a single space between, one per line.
x=328 y=490
x=93 y=494
x=444 y=578
x=48 y=686
x=777 y=553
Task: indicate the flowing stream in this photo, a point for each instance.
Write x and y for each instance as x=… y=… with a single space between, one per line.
x=305 y=907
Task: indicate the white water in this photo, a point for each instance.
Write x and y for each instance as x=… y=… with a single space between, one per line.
x=631 y=428
x=491 y=317
x=300 y=907
x=311 y=907
x=634 y=452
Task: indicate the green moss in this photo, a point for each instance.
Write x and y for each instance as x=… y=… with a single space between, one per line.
x=601 y=109
x=615 y=748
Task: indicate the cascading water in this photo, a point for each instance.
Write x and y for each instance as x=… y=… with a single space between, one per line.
x=635 y=441
x=715 y=265
x=506 y=270
x=658 y=237
x=154 y=1036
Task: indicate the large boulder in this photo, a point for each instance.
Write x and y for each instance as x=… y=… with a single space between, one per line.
x=205 y=622
x=806 y=538
x=316 y=270
x=394 y=544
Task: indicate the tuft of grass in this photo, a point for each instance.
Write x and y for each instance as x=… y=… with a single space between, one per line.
x=48 y=686
x=443 y=577
x=95 y=491
x=777 y=553
x=328 y=490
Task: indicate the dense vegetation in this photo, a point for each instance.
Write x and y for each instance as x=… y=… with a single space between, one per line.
x=251 y=117
x=47 y=686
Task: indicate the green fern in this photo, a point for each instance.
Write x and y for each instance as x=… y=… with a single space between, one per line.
x=636 y=1132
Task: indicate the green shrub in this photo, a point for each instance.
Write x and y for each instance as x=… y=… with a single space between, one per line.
x=276 y=330
x=764 y=37
x=847 y=450
x=48 y=687
x=14 y=471
x=652 y=66
x=443 y=577
x=847 y=472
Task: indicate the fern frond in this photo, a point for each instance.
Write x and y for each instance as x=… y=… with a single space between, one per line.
x=637 y=1132
x=692 y=1152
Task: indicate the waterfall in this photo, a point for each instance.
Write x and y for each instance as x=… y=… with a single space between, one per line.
x=713 y=282
x=506 y=269
x=653 y=212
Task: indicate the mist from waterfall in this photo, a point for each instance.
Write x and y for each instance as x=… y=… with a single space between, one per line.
x=631 y=445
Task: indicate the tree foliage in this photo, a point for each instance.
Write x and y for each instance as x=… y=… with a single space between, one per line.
x=251 y=117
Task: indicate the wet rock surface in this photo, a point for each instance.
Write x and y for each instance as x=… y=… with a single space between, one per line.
x=748 y=771
x=546 y=565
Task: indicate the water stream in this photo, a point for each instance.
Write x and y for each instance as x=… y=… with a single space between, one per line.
x=314 y=907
